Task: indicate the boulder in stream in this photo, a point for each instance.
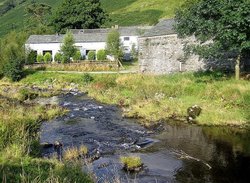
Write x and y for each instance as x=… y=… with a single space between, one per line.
x=193 y=112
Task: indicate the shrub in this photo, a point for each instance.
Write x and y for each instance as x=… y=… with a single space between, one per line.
x=31 y=58
x=87 y=78
x=25 y=94
x=91 y=55
x=13 y=67
x=83 y=150
x=71 y=154
x=39 y=58
x=47 y=57
x=131 y=162
x=77 y=56
x=101 y=55
x=58 y=57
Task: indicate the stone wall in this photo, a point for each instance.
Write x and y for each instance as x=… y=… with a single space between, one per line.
x=164 y=54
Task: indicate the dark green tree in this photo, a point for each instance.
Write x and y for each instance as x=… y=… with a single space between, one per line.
x=68 y=47
x=12 y=55
x=79 y=14
x=225 y=24
x=37 y=18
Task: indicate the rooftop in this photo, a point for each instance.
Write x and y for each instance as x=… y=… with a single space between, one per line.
x=88 y=35
x=164 y=27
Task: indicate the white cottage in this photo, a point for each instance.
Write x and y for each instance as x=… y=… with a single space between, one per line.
x=85 y=40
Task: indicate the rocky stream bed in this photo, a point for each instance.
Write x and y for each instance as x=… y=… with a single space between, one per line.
x=176 y=153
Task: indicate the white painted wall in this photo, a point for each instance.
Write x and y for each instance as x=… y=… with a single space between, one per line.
x=129 y=44
x=55 y=47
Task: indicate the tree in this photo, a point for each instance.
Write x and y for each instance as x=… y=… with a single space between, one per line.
x=37 y=15
x=12 y=55
x=68 y=48
x=224 y=23
x=78 y=14
x=114 y=45
x=13 y=68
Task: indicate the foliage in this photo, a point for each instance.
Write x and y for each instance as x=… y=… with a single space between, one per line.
x=225 y=24
x=101 y=55
x=47 y=57
x=77 y=56
x=122 y=12
x=91 y=55
x=68 y=48
x=12 y=54
x=31 y=57
x=37 y=18
x=114 y=44
x=13 y=67
x=87 y=78
x=58 y=57
x=131 y=161
x=39 y=58
x=71 y=14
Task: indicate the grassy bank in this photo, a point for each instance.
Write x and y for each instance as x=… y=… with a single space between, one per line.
x=19 y=141
x=223 y=100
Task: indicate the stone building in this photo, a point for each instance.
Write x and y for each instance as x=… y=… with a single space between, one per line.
x=162 y=52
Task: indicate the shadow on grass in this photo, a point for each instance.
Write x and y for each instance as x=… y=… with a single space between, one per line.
x=211 y=76
x=30 y=71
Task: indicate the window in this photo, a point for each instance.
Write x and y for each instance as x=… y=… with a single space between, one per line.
x=126 y=39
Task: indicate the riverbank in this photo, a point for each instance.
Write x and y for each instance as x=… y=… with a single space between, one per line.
x=224 y=101
x=20 y=151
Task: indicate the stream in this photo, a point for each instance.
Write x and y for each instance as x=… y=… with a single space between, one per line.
x=170 y=153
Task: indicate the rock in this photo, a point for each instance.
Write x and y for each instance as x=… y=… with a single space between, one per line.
x=193 y=112
x=46 y=145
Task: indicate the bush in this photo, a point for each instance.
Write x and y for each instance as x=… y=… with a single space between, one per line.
x=77 y=56
x=13 y=67
x=58 y=57
x=87 y=78
x=91 y=55
x=131 y=162
x=101 y=55
x=31 y=58
x=39 y=58
x=47 y=57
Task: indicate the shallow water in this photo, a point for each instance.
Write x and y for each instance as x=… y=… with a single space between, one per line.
x=181 y=153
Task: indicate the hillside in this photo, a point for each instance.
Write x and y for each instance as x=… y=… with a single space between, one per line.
x=122 y=12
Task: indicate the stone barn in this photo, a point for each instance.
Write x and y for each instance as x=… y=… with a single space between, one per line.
x=162 y=52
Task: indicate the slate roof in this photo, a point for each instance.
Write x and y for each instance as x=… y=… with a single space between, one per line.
x=124 y=31
x=79 y=38
x=164 y=27
x=87 y=35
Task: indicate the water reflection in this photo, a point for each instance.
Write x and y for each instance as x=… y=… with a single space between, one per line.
x=226 y=150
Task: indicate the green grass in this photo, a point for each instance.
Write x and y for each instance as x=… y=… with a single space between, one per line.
x=122 y=12
x=224 y=101
x=19 y=142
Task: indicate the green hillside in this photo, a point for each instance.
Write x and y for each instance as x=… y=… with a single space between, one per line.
x=122 y=12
